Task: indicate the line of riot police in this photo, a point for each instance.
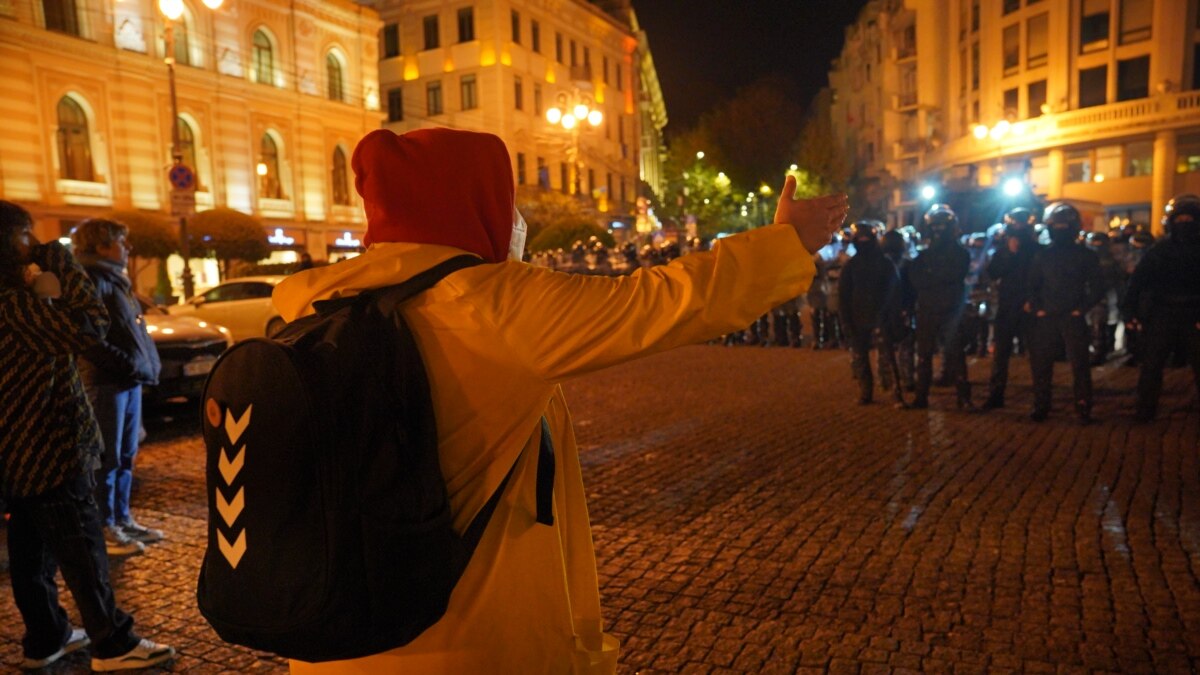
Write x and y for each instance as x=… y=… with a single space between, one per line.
x=1048 y=289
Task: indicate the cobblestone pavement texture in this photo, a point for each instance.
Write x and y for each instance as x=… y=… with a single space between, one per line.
x=750 y=518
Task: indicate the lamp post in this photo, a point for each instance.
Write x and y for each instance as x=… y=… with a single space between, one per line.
x=172 y=10
x=573 y=109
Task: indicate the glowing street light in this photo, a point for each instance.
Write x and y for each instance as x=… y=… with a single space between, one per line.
x=700 y=155
x=980 y=131
x=1014 y=187
x=574 y=109
x=553 y=115
x=928 y=192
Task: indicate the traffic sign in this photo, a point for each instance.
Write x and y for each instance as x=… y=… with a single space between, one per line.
x=182 y=177
x=183 y=202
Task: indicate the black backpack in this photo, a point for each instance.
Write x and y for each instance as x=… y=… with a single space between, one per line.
x=329 y=531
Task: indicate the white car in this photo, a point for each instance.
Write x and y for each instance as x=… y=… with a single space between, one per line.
x=242 y=305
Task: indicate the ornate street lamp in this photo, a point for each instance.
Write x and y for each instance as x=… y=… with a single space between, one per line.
x=172 y=10
x=573 y=109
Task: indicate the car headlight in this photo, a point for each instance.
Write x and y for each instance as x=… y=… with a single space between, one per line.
x=228 y=336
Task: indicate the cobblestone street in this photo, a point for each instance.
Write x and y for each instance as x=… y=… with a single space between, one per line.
x=750 y=518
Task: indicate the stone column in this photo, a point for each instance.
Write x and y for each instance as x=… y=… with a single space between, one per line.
x=1057 y=170
x=1163 y=186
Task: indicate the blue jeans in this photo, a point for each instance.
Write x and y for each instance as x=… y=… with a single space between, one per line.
x=60 y=528
x=119 y=412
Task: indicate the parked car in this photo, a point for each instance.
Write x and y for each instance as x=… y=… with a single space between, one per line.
x=187 y=346
x=242 y=305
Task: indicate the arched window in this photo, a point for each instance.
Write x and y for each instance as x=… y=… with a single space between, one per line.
x=269 y=185
x=263 y=59
x=187 y=145
x=61 y=16
x=74 y=141
x=333 y=78
x=341 y=178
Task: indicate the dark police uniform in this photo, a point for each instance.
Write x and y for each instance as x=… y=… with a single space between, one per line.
x=1009 y=270
x=938 y=276
x=868 y=291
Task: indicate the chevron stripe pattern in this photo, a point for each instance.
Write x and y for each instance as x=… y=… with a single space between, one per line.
x=230 y=467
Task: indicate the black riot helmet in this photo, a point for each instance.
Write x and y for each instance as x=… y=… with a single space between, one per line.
x=895 y=244
x=1063 y=221
x=866 y=230
x=1181 y=219
x=1019 y=216
x=941 y=222
x=1097 y=240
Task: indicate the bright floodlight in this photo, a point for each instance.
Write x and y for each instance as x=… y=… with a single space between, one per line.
x=212 y=4
x=1013 y=186
x=595 y=117
x=765 y=189
x=581 y=111
x=795 y=167
x=568 y=121
x=980 y=131
x=553 y=115
x=172 y=9
x=928 y=192
x=1000 y=130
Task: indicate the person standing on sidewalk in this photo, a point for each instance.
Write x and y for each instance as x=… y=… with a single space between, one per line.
x=1163 y=301
x=1065 y=281
x=114 y=381
x=497 y=340
x=49 y=442
x=869 y=290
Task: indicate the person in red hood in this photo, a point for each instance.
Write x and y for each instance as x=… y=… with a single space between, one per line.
x=497 y=340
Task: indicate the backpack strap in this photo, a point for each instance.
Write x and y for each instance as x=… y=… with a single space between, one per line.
x=545 y=477
x=390 y=296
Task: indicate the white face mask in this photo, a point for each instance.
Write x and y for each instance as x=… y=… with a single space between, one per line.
x=516 y=245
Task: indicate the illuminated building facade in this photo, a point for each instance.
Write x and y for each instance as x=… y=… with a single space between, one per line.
x=498 y=66
x=1092 y=101
x=272 y=97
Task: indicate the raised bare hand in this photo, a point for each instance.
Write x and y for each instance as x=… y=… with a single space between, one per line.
x=815 y=220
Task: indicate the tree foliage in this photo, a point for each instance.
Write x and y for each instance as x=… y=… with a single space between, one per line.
x=822 y=168
x=150 y=236
x=228 y=235
x=546 y=209
x=752 y=136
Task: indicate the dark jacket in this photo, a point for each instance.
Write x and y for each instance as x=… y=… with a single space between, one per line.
x=47 y=431
x=1065 y=278
x=1010 y=271
x=868 y=289
x=1166 y=281
x=939 y=275
x=130 y=357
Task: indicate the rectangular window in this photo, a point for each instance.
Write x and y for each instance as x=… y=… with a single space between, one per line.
x=535 y=36
x=1037 y=34
x=537 y=99
x=1139 y=158
x=608 y=191
x=1093 y=25
x=1012 y=49
x=974 y=66
x=1079 y=166
x=518 y=93
x=1196 y=65
x=470 y=97
x=974 y=16
x=433 y=98
x=587 y=56
x=622 y=191
x=1093 y=86
x=466 y=24
x=1035 y=95
x=604 y=63
x=520 y=168
x=558 y=49
x=1108 y=162
x=391 y=41
x=620 y=78
x=395 y=105
x=1133 y=78
x=516 y=26
x=1187 y=154
x=564 y=178
x=543 y=173
x=574 y=54
x=963 y=69
x=1011 y=6
x=1135 y=21
x=1011 y=102
x=430 y=24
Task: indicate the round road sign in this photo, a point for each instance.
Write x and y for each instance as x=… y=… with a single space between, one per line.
x=182 y=177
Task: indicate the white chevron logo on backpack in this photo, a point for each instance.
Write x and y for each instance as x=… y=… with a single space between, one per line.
x=232 y=552
x=230 y=469
x=231 y=510
x=235 y=427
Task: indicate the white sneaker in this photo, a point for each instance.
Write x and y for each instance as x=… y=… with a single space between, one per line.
x=144 y=655
x=118 y=544
x=138 y=532
x=78 y=640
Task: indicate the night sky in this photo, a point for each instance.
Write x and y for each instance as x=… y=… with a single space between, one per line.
x=705 y=50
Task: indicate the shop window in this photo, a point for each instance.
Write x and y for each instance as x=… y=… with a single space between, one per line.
x=433 y=98
x=334 y=88
x=1079 y=166
x=391 y=41
x=1139 y=158
x=1036 y=39
x=1108 y=163
x=1135 y=21
x=341 y=178
x=1187 y=154
x=263 y=59
x=74 y=141
x=1035 y=97
x=1012 y=49
x=269 y=185
x=61 y=16
x=396 y=105
x=432 y=34
x=466 y=24
x=1133 y=78
x=1093 y=86
x=470 y=96
x=1093 y=25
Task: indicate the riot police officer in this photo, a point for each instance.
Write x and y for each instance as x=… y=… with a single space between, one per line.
x=868 y=296
x=1163 y=301
x=938 y=276
x=896 y=248
x=1064 y=283
x=1009 y=269
x=1102 y=319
